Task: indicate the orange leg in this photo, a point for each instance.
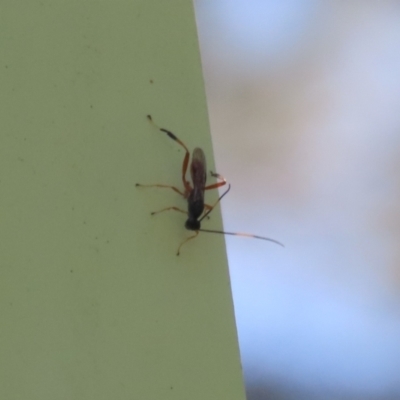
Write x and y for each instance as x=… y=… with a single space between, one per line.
x=169 y=208
x=214 y=186
x=210 y=208
x=185 y=163
x=218 y=184
x=186 y=240
x=163 y=186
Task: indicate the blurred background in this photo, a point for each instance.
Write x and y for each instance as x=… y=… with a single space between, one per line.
x=304 y=103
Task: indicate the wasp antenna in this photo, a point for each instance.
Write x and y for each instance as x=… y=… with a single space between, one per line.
x=243 y=234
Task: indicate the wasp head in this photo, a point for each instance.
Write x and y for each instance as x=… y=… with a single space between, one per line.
x=192 y=224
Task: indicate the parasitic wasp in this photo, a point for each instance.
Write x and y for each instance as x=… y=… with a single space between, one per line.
x=194 y=192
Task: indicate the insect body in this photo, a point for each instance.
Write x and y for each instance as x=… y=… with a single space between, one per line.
x=194 y=193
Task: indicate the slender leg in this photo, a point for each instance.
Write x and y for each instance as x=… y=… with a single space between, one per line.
x=162 y=186
x=218 y=184
x=212 y=207
x=169 y=208
x=185 y=164
x=214 y=186
x=186 y=240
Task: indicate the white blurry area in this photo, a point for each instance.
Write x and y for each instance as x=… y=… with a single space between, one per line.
x=304 y=102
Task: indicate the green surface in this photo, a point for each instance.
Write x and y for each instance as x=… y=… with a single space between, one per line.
x=94 y=303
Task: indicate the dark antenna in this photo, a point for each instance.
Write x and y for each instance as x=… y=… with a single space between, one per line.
x=243 y=234
x=233 y=233
x=219 y=199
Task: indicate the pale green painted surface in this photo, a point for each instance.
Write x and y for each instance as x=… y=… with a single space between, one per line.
x=94 y=303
